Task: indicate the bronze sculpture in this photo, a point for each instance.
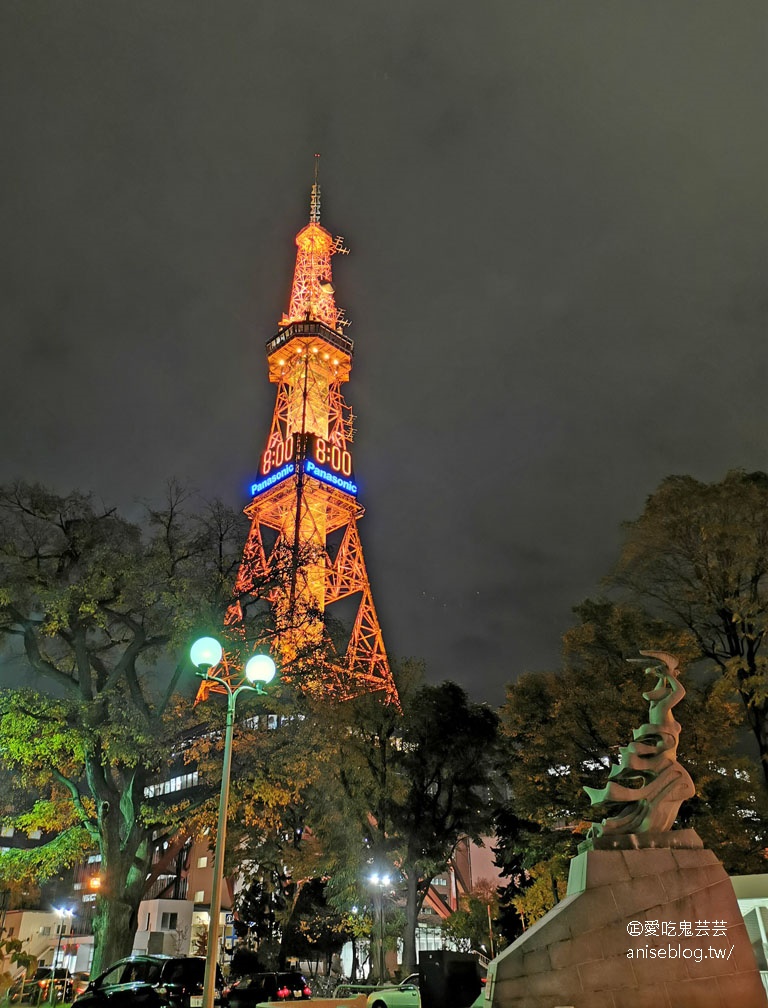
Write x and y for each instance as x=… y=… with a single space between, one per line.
x=647 y=786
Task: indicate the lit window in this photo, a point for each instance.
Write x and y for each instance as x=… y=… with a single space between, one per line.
x=200 y=896
x=6 y=831
x=174 y=784
x=202 y=862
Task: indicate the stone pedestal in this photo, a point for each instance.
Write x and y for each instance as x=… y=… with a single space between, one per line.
x=641 y=927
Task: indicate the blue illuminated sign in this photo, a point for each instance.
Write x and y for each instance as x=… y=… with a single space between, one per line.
x=331 y=478
x=274 y=477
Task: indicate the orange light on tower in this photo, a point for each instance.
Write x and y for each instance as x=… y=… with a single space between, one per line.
x=306 y=492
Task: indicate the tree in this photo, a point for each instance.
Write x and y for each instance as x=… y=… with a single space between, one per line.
x=561 y=732
x=281 y=753
x=471 y=926
x=447 y=759
x=11 y=954
x=401 y=791
x=317 y=930
x=352 y=804
x=99 y=610
x=698 y=558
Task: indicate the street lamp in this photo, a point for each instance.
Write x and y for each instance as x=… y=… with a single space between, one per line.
x=206 y=654
x=61 y=913
x=380 y=883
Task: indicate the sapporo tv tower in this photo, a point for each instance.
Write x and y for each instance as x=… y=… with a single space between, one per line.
x=306 y=492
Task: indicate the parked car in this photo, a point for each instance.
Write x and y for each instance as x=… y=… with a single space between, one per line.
x=37 y=988
x=131 y=981
x=407 y=995
x=153 y=981
x=182 y=980
x=254 y=988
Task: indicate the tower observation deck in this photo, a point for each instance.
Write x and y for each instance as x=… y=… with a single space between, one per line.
x=304 y=544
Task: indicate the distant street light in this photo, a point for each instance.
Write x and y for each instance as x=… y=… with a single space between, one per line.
x=380 y=883
x=206 y=654
x=61 y=913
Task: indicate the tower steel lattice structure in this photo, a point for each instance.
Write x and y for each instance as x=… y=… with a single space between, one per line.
x=304 y=540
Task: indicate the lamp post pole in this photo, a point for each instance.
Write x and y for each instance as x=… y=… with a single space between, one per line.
x=61 y=914
x=380 y=883
x=206 y=654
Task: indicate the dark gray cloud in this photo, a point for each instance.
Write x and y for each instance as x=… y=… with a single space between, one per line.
x=557 y=214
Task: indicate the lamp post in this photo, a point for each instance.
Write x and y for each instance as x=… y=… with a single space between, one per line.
x=353 y=935
x=380 y=883
x=61 y=913
x=206 y=654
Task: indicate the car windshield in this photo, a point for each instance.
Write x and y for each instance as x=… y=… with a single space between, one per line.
x=184 y=971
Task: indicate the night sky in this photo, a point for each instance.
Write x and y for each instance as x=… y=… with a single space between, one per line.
x=557 y=217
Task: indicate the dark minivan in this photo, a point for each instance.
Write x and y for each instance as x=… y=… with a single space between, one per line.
x=154 y=981
x=255 y=988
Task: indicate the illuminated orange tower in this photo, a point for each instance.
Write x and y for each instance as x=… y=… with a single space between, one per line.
x=306 y=491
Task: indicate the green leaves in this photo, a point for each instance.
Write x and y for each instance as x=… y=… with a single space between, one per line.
x=38 y=733
x=100 y=608
x=37 y=864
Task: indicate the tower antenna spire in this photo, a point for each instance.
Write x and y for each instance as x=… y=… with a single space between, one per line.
x=314 y=200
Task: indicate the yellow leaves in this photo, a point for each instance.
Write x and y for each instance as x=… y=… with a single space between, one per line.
x=48 y=816
x=548 y=877
x=81 y=602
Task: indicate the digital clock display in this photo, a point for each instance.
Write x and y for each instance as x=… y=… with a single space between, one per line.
x=322 y=459
x=325 y=453
x=330 y=455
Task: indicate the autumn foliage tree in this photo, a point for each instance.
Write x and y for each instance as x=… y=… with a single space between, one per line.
x=697 y=557
x=405 y=788
x=691 y=579
x=448 y=761
x=96 y=612
x=471 y=927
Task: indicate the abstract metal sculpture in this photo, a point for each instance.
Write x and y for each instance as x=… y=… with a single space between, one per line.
x=647 y=786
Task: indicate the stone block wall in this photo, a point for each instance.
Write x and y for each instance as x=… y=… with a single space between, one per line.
x=652 y=928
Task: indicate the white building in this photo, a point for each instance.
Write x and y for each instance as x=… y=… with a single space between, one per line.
x=46 y=935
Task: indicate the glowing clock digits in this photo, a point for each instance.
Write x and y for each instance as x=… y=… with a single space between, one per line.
x=334 y=456
x=279 y=453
